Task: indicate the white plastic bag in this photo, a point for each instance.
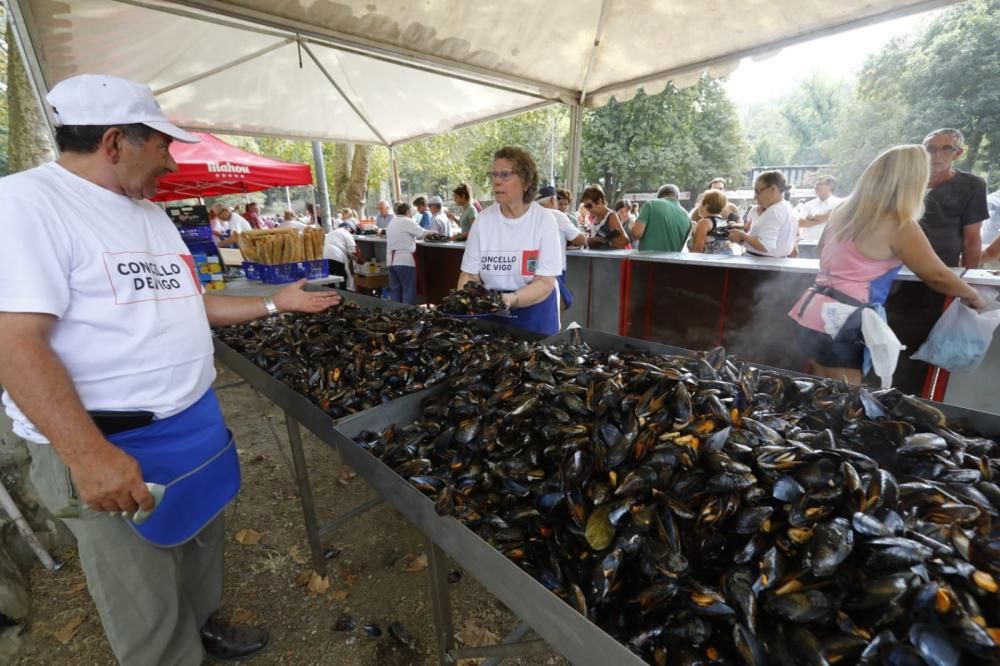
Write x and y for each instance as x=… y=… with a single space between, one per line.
x=962 y=336
x=883 y=345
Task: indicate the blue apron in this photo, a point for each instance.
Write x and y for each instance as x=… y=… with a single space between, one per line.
x=194 y=456
x=541 y=317
x=565 y=295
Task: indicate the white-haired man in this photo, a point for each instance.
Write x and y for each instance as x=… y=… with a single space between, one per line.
x=107 y=364
x=384 y=216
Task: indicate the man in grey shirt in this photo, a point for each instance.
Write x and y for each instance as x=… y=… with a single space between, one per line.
x=384 y=216
x=955 y=204
x=954 y=210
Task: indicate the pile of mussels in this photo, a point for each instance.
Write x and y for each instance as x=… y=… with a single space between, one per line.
x=473 y=298
x=704 y=511
x=350 y=358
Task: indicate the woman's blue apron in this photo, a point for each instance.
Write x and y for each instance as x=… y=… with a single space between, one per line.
x=565 y=295
x=541 y=318
x=194 y=456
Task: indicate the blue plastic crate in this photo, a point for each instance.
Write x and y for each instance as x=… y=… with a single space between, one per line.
x=195 y=233
x=251 y=269
x=281 y=273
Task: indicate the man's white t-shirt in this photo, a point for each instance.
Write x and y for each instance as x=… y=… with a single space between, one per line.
x=776 y=228
x=238 y=224
x=567 y=232
x=291 y=224
x=131 y=327
x=338 y=245
x=508 y=253
x=816 y=207
x=401 y=240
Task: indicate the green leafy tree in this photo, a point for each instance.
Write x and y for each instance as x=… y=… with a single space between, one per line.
x=943 y=74
x=686 y=136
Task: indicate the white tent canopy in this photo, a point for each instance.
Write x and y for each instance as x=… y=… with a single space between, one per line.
x=389 y=71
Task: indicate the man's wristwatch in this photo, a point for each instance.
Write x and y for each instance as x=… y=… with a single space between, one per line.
x=272 y=309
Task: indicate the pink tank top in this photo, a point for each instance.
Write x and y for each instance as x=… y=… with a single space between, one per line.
x=844 y=268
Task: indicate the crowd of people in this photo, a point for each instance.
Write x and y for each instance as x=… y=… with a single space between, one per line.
x=893 y=218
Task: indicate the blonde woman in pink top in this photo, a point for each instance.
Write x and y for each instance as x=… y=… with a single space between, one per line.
x=868 y=238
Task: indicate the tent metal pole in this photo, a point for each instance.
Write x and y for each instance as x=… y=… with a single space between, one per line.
x=288 y=197
x=397 y=191
x=575 y=151
x=324 y=196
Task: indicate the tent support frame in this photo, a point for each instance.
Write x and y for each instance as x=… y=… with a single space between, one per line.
x=221 y=68
x=372 y=49
x=575 y=152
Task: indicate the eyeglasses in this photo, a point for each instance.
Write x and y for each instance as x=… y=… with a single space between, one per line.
x=933 y=150
x=504 y=174
x=762 y=189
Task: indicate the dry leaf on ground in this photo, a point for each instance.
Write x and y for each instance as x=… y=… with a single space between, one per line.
x=418 y=563
x=302 y=578
x=248 y=537
x=65 y=633
x=296 y=556
x=318 y=584
x=241 y=616
x=472 y=635
x=339 y=595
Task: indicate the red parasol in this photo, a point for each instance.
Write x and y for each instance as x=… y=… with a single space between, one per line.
x=213 y=167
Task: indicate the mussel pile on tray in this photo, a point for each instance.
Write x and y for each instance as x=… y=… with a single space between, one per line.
x=351 y=358
x=436 y=238
x=473 y=298
x=703 y=511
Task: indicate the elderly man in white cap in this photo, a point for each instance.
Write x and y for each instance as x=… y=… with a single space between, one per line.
x=106 y=357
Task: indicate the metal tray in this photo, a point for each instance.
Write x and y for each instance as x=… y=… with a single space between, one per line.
x=984 y=423
x=565 y=630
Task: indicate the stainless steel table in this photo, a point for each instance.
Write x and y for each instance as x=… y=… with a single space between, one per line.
x=560 y=626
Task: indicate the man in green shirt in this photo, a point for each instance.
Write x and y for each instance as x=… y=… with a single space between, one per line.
x=663 y=226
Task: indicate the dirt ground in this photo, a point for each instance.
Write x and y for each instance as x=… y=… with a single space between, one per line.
x=377 y=574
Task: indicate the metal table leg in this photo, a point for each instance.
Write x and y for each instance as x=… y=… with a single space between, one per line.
x=437 y=569
x=305 y=494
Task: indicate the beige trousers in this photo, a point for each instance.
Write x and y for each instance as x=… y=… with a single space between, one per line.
x=152 y=601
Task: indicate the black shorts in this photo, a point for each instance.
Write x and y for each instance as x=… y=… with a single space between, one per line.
x=824 y=350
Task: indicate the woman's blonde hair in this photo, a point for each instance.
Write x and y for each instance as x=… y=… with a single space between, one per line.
x=890 y=191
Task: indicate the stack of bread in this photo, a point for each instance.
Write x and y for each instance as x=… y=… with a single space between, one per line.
x=282 y=246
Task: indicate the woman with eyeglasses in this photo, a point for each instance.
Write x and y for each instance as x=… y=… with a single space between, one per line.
x=869 y=237
x=515 y=246
x=773 y=233
x=608 y=229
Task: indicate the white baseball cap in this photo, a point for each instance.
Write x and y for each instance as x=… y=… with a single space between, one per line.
x=99 y=99
x=435 y=200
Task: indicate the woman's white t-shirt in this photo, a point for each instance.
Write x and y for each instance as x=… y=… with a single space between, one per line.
x=776 y=228
x=401 y=241
x=508 y=253
x=130 y=327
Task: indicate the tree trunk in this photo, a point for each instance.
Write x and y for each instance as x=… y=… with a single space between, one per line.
x=975 y=142
x=29 y=142
x=357 y=186
x=340 y=174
